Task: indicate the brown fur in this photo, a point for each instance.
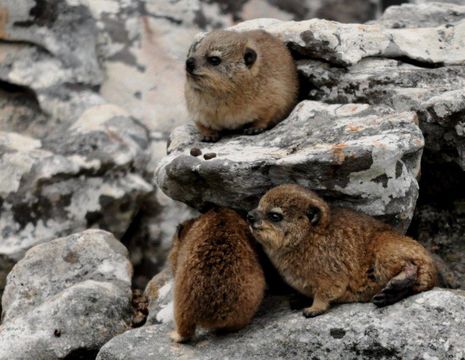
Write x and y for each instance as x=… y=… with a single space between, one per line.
x=219 y=283
x=232 y=94
x=337 y=255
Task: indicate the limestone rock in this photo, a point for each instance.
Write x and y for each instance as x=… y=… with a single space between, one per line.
x=69 y=160
x=66 y=297
x=354 y=155
x=427 y=326
x=347 y=44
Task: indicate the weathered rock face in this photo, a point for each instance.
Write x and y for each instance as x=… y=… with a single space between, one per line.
x=66 y=297
x=429 y=85
x=428 y=325
x=69 y=160
x=89 y=176
x=360 y=156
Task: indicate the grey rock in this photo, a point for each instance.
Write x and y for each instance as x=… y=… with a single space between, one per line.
x=355 y=155
x=347 y=44
x=69 y=160
x=91 y=175
x=459 y=2
x=422 y=14
x=148 y=239
x=436 y=94
x=426 y=326
x=355 y=11
x=65 y=297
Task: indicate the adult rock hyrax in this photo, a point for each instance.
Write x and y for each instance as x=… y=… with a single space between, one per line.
x=337 y=255
x=239 y=80
x=218 y=281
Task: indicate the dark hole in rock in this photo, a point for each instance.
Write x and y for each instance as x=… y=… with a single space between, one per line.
x=82 y=354
x=43 y=13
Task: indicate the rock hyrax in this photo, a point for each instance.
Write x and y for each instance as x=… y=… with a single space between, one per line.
x=218 y=281
x=337 y=255
x=239 y=80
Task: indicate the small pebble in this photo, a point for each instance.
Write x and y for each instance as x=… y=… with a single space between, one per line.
x=196 y=152
x=209 y=156
x=57 y=333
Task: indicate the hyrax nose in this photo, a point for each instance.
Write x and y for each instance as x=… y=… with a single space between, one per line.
x=190 y=65
x=251 y=217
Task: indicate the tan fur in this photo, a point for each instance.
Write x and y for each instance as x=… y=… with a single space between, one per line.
x=344 y=256
x=231 y=95
x=219 y=283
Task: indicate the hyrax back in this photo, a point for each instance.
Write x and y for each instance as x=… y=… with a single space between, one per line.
x=239 y=80
x=336 y=254
x=219 y=283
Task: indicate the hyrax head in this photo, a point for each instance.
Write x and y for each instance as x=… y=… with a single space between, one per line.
x=286 y=215
x=223 y=61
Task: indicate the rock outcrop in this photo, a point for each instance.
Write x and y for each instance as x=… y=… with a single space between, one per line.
x=66 y=297
x=427 y=326
x=359 y=156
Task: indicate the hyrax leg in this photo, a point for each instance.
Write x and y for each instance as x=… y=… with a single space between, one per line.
x=183 y=332
x=319 y=306
x=398 y=288
x=403 y=267
x=324 y=295
x=208 y=135
x=256 y=127
x=185 y=323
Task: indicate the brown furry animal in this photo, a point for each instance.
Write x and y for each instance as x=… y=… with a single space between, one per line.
x=239 y=80
x=337 y=255
x=219 y=283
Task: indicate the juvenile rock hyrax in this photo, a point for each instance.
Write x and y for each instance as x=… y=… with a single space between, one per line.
x=218 y=281
x=337 y=255
x=239 y=80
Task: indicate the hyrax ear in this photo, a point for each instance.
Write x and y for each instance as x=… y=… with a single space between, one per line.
x=250 y=56
x=319 y=215
x=314 y=215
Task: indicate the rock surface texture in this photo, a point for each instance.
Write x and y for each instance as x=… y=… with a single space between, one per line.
x=66 y=298
x=361 y=156
x=69 y=160
x=426 y=326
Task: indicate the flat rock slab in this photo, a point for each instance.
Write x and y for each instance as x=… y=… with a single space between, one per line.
x=347 y=44
x=426 y=326
x=355 y=155
x=65 y=297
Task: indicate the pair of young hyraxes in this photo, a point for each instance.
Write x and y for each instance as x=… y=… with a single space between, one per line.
x=248 y=80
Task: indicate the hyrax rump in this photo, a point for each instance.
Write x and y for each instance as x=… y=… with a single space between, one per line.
x=337 y=255
x=218 y=281
x=239 y=80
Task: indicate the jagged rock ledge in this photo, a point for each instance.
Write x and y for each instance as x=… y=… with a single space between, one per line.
x=355 y=155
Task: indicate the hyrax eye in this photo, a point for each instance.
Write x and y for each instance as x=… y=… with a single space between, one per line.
x=274 y=216
x=214 y=60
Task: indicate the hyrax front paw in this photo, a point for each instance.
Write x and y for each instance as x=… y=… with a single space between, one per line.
x=174 y=335
x=312 y=312
x=211 y=138
x=253 y=130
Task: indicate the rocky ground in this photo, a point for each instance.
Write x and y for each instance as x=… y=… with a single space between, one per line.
x=89 y=92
